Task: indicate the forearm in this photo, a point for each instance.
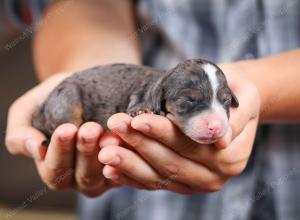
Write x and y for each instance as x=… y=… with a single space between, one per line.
x=277 y=79
x=84 y=34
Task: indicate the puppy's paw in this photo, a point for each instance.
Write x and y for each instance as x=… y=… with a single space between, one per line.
x=139 y=112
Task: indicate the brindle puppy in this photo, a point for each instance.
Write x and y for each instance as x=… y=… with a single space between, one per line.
x=194 y=95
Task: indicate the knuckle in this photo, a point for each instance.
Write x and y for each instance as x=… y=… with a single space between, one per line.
x=57 y=175
x=87 y=181
x=14 y=152
x=57 y=179
x=233 y=169
x=56 y=171
x=88 y=151
x=187 y=192
x=225 y=165
x=216 y=186
x=57 y=187
x=158 y=135
x=137 y=141
x=11 y=146
x=9 y=143
x=163 y=182
x=91 y=194
x=13 y=105
x=170 y=170
x=193 y=188
x=155 y=185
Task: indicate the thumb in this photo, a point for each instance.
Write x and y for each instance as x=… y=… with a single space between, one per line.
x=225 y=140
x=26 y=141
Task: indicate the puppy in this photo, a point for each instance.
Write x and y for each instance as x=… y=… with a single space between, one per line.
x=194 y=95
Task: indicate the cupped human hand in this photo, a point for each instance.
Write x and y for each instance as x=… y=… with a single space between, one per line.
x=162 y=157
x=70 y=161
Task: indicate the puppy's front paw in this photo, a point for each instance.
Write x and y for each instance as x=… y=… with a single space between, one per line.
x=139 y=112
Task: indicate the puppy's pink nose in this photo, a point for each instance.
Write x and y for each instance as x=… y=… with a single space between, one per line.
x=215 y=127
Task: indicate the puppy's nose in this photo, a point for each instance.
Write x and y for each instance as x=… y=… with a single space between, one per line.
x=215 y=127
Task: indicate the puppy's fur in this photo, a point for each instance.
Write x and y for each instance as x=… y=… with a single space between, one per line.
x=194 y=95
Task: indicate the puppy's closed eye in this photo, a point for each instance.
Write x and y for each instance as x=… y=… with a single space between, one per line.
x=191 y=100
x=227 y=101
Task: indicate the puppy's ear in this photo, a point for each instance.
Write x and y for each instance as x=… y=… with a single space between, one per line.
x=155 y=96
x=234 y=100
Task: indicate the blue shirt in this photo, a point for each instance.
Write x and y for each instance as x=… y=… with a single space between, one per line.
x=221 y=31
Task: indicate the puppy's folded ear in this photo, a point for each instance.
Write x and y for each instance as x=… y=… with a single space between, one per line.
x=234 y=100
x=155 y=95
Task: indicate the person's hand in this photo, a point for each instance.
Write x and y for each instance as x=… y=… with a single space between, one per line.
x=160 y=156
x=71 y=158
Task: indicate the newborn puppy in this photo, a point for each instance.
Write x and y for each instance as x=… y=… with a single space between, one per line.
x=194 y=95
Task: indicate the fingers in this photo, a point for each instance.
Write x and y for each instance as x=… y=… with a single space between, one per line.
x=21 y=138
x=164 y=130
x=88 y=169
x=162 y=159
x=59 y=158
x=240 y=147
x=57 y=167
x=109 y=138
x=248 y=109
x=26 y=141
x=137 y=172
x=121 y=179
x=126 y=161
x=223 y=142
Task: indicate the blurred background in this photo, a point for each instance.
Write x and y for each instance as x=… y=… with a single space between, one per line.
x=22 y=194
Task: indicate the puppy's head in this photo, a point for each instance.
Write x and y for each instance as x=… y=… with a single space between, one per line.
x=196 y=97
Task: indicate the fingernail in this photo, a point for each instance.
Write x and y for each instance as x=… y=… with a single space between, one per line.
x=141 y=127
x=64 y=136
x=89 y=140
x=111 y=176
x=107 y=173
x=108 y=141
x=32 y=148
x=122 y=127
x=114 y=162
x=89 y=136
x=109 y=160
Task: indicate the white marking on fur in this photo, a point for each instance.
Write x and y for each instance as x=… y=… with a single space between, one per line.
x=210 y=70
x=216 y=106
